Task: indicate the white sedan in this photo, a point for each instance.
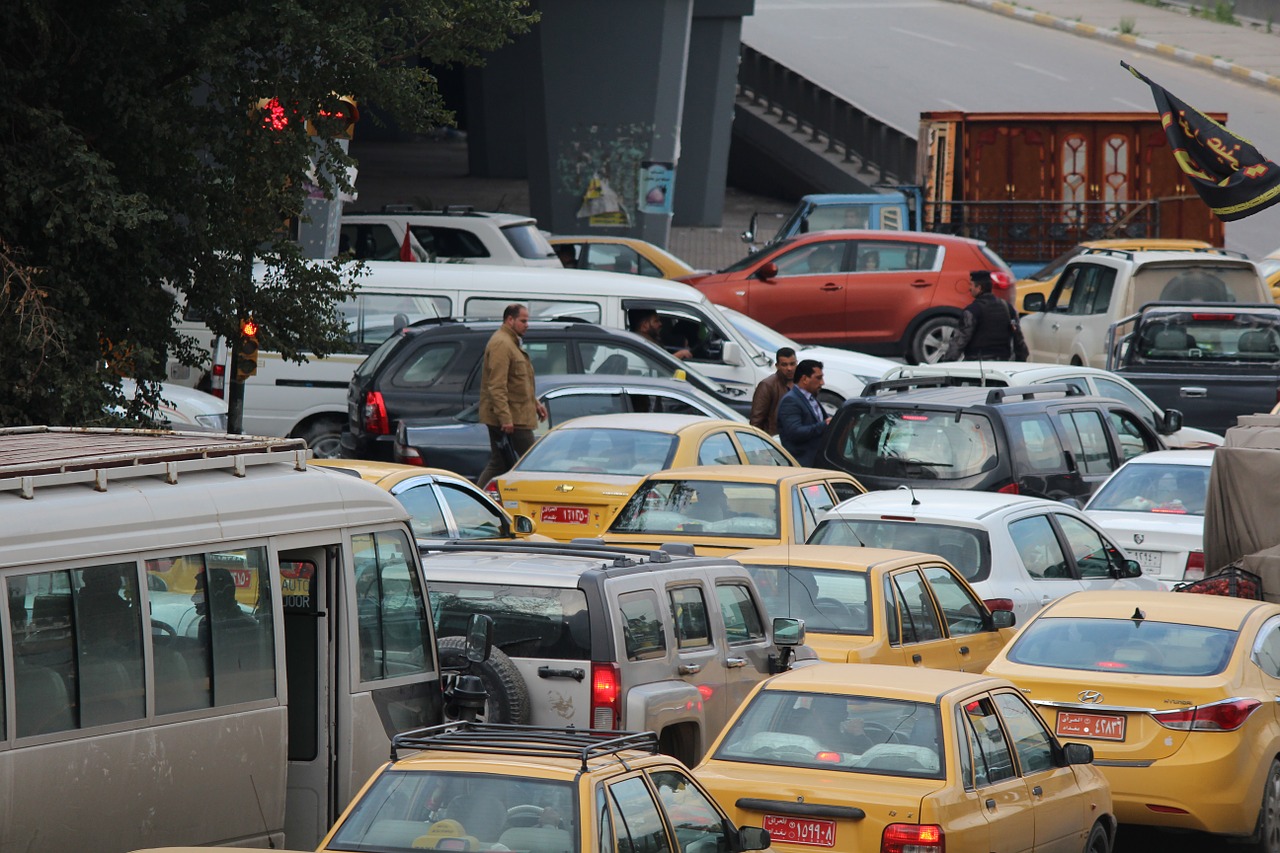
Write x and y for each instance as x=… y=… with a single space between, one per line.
x=1019 y=553
x=1154 y=507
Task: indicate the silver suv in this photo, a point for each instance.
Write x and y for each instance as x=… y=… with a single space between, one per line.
x=456 y=234
x=605 y=637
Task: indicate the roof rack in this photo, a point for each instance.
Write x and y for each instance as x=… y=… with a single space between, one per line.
x=536 y=741
x=910 y=383
x=1030 y=392
x=621 y=555
x=1200 y=250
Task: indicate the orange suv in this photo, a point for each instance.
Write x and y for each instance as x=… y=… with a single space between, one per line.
x=886 y=292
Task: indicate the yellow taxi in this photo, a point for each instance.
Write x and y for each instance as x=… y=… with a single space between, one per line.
x=874 y=605
x=720 y=509
x=1177 y=695
x=860 y=757
x=442 y=505
x=620 y=254
x=1042 y=281
x=575 y=479
x=1269 y=268
x=475 y=786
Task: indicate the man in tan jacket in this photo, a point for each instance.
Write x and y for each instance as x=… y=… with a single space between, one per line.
x=508 y=403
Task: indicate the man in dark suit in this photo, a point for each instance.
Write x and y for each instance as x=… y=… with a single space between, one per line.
x=801 y=418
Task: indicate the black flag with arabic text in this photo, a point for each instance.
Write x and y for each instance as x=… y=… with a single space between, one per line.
x=1226 y=170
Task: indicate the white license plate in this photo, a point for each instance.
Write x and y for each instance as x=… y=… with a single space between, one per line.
x=1149 y=560
x=801 y=830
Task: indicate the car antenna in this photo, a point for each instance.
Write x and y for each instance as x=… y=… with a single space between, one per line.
x=914 y=500
x=1138 y=615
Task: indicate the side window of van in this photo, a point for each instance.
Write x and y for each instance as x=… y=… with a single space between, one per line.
x=491 y=308
x=373 y=317
x=391 y=611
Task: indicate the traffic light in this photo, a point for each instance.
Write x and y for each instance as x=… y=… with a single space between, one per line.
x=247 y=354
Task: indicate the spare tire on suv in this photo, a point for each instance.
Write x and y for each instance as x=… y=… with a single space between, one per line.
x=508 y=697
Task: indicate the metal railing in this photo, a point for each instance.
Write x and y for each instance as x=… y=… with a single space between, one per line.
x=882 y=152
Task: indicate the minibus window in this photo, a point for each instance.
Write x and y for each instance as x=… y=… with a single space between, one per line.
x=394 y=638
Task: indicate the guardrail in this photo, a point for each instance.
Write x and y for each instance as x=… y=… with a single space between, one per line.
x=879 y=148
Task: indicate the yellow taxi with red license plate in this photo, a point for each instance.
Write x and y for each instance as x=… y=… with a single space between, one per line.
x=719 y=509
x=874 y=605
x=861 y=757
x=578 y=475
x=1177 y=695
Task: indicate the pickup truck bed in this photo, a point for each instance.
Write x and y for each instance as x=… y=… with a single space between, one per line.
x=1212 y=361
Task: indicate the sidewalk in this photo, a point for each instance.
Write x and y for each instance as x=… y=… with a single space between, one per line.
x=397 y=173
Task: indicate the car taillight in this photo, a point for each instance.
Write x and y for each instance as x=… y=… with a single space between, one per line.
x=375 y=414
x=1225 y=716
x=606 y=696
x=491 y=489
x=1195 y=566
x=218 y=381
x=406 y=455
x=912 y=838
x=1001 y=280
x=994 y=604
x=1011 y=489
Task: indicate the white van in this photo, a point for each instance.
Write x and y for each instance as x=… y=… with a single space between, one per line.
x=309 y=400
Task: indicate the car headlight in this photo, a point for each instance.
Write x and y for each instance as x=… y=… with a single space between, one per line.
x=216 y=422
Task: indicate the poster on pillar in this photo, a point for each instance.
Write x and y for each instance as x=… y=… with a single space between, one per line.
x=656 y=179
x=601 y=206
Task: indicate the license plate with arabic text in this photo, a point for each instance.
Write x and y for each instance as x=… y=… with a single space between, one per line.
x=1097 y=726
x=801 y=830
x=1149 y=560
x=565 y=515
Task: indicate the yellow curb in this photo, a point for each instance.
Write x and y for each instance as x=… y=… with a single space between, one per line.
x=1166 y=50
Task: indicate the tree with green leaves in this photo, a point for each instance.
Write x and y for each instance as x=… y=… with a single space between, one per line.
x=142 y=173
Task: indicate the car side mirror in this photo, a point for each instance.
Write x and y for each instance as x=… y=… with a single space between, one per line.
x=1003 y=619
x=1170 y=421
x=749 y=235
x=1033 y=302
x=523 y=524
x=731 y=352
x=1132 y=569
x=479 y=638
x=1077 y=753
x=752 y=838
x=788 y=631
x=768 y=272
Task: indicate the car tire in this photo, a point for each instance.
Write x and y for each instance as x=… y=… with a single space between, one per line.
x=324 y=437
x=1266 y=838
x=1099 y=840
x=508 y=696
x=931 y=338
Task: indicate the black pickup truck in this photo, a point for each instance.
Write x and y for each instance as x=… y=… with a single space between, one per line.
x=1212 y=360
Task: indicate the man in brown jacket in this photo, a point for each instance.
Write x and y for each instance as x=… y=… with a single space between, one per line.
x=508 y=404
x=764 y=405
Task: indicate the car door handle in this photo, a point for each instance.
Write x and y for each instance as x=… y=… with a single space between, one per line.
x=920 y=283
x=831 y=288
x=916 y=658
x=689 y=668
x=1037 y=791
x=734 y=663
x=1054 y=326
x=964 y=650
x=577 y=673
x=1193 y=391
x=991 y=805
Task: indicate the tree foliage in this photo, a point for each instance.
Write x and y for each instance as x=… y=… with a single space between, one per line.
x=138 y=172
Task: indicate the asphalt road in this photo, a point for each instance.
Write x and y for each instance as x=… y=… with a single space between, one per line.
x=898 y=58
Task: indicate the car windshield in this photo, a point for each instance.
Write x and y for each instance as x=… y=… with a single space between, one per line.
x=830 y=601
x=752 y=259
x=415 y=809
x=759 y=334
x=1211 y=336
x=966 y=548
x=528 y=621
x=600 y=451
x=916 y=443
x=1171 y=489
x=1138 y=646
x=701 y=508
x=854 y=734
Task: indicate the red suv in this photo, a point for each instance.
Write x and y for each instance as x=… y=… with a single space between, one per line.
x=887 y=292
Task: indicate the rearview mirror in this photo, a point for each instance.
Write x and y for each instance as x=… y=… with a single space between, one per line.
x=1077 y=753
x=749 y=235
x=1003 y=619
x=1170 y=421
x=479 y=638
x=788 y=631
x=1033 y=302
x=1132 y=569
x=753 y=838
x=768 y=271
x=523 y=525
x=731 y=352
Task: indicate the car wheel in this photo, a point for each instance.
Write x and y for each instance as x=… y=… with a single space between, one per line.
x=508 y=700
x=1099 y=841
x=324 y=437
x=933 y=336
x=1267 y=835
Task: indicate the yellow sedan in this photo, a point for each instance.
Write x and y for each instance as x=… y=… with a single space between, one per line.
x=621 y=254
x=872 y=605
x=858 y=757
x=722 y=510
x=1177 y=694
x=1043 y=280
x=574 y=480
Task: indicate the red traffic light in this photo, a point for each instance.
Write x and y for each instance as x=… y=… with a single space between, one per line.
x=248 y=328
x=274 y=116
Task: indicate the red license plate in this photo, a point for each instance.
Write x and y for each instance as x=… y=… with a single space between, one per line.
x=1097 y=726
x=566 y=515
x=801 y=830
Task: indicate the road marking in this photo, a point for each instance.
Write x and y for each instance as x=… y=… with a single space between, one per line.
x=1042 y=71
x=925 y=37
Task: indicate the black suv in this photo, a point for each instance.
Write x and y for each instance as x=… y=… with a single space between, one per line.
x=432 y=368
x=1048 y=441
